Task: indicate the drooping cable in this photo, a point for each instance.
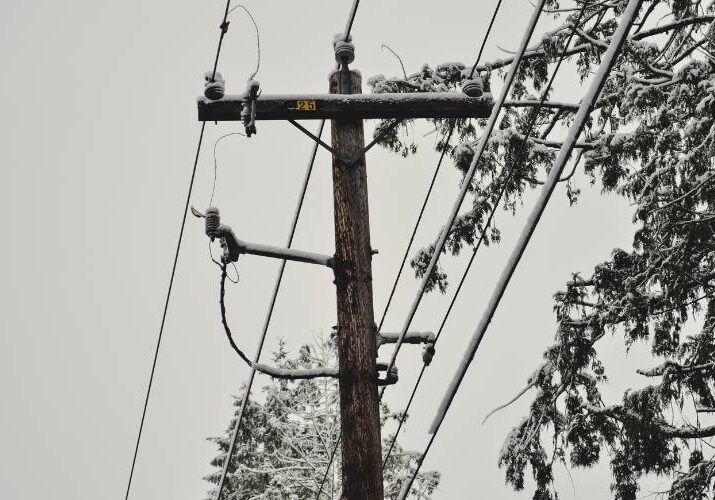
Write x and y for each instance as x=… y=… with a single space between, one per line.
x=348 y=29
x=173 y=273
x=269 y=313
x=258 y=39
x=227 y=329
x=517 y=158
x=589 y=99
x=213 y=188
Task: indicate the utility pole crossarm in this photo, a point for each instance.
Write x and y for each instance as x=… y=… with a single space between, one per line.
x=355 y=106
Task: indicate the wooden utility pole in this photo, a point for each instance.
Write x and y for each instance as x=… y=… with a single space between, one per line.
x=359 y=400
x=346 y=107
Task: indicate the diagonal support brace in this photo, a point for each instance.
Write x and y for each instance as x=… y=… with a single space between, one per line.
x=347 y=161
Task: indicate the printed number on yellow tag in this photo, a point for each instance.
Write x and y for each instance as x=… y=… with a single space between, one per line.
x=306 y=105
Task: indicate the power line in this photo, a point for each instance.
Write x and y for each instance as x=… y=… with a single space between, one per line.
x=466 y=182
x=166 y=308
x=414 y=230
x=258 y=39
x=351 y=20
x=522 y=146
x=484 y=41
x=629 y=15
x=269 y=313
x=173 y=271
x=580 y=119
x=224 y=29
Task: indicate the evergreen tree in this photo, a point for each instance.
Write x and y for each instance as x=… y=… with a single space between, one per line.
x=651 y=140
x=285 y=443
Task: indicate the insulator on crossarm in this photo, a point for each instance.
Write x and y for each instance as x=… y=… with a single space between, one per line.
x=215 y=86
x=473 y=87
x=213 y=221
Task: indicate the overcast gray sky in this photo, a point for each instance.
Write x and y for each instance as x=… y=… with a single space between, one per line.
x=97 y=141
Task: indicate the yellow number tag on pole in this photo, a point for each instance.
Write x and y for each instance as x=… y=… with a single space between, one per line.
x=306 y=105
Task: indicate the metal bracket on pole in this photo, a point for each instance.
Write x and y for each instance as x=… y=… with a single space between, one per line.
x=426 y=338
x=347 y=161
x=235 y=247
x=390 y=376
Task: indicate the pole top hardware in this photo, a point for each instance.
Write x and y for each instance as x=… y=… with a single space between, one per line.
x=344 y=52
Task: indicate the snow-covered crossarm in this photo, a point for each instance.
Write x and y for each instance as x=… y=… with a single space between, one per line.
x=363 y=106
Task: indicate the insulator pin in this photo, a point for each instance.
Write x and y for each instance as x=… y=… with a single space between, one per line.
x=213 y=221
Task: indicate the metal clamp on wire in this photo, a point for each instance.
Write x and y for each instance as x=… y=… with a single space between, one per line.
x=248 y=113
x=215 y=86
x=390 y=377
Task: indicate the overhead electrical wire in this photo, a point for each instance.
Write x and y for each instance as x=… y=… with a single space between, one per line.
x=466 y=182
x=517 y=158
x=608 y=58
x=486 y=35
x=258 y=39
x=173 y=270
x=414 y=229
x=213 y=188
x=351 y=20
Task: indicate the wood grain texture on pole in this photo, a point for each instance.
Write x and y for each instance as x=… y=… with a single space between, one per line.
x=357 y=351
